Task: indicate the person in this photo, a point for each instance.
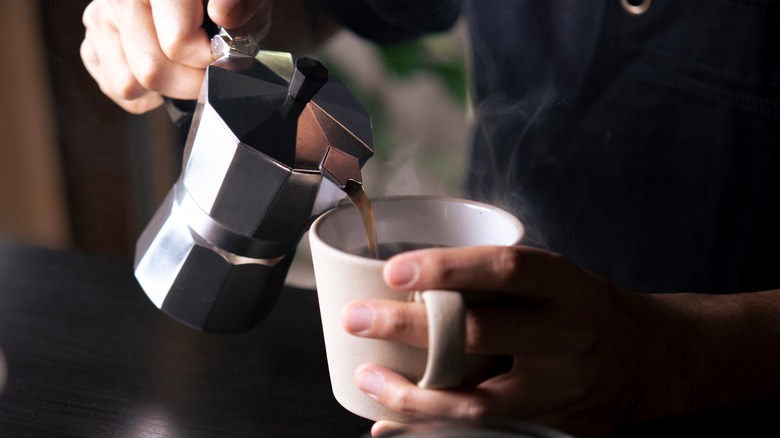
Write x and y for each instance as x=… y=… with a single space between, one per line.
x=638 y=142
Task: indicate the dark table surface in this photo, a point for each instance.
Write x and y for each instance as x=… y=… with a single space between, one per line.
x=89 y=355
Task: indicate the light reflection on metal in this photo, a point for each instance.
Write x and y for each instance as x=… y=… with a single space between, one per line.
x=215 y=254
x=341 y=168
x=225 y=43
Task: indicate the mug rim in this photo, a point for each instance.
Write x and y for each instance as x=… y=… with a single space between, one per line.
x=313 y=230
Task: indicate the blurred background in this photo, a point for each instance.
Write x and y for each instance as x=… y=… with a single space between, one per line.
x=77 y=172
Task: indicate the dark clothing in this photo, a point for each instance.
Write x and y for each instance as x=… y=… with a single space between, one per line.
x=394 y=21
x=643 y=147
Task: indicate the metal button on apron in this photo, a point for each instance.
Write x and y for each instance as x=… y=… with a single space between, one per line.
x=636 y=7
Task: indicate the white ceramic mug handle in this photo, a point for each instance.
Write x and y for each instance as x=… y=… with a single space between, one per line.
x=446 y=339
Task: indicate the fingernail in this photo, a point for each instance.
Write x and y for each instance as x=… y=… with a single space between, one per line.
x=359 y=318
x=370 y=383
x=401 y=273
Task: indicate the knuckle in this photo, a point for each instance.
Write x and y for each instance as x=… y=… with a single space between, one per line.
x=474 y=408
x=475 y=333
x=151 y=74
x=88 y=56
x=135 y=108
x=139 y=106
x=446 y=273
x=402 y=401
x=400 y=321
x=118 y=5
x=506 y=261
x=127 y=88
x=88 y=16
x=132 y=107
x=439 y=272
x=175 y=46
x=567 y=263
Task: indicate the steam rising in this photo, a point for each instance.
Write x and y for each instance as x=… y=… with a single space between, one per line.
x=497 y=170
x=529 y=59
x=403 y=175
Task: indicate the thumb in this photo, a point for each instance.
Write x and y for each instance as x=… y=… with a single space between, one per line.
x=247 y=16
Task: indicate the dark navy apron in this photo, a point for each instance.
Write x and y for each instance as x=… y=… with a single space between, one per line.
x=642 y=144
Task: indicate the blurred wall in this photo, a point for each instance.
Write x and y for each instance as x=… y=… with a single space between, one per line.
x=75 y=169
x=32 y=193
x=417 y=96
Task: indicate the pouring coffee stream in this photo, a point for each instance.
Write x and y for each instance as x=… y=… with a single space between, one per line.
x=275 y=141
x=363 y=204
x=337 y=167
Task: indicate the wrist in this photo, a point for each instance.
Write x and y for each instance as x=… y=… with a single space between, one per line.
x=707 y=352
x=667 y=362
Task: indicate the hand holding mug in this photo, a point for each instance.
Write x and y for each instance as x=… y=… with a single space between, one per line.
x=566 y=331
x=587 y=356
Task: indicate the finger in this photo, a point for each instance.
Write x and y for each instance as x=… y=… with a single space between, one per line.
x=89 y=56
x=502 y=396
x=102 y=54
x=103 y=57
x=112 y=74
x=116 y=82
x=517 y=270
x=253 y=16
x=105 y=60
x=400 y=395
x=513 y=331
x=151 y=68
x=178 y=25
x=390 y=320
x=139 y=103
x=510 y=395
x=382 y=427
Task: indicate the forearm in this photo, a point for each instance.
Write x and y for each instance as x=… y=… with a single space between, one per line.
x=714 y=351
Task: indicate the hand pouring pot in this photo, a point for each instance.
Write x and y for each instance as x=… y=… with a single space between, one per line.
x=266 y=129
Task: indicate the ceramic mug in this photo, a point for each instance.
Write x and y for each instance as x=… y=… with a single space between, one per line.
x=343 y=276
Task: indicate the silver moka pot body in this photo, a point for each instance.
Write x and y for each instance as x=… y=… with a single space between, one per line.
x=266 y=129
